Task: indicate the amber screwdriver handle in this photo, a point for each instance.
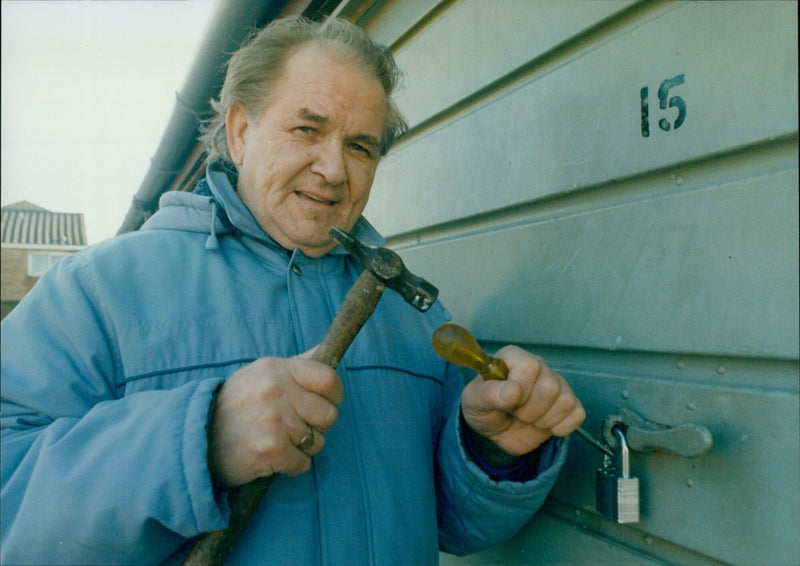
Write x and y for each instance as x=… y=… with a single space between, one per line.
x=455 y=344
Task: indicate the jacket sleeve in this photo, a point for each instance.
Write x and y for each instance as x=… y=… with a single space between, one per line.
x=475 y=511
x=89 y=475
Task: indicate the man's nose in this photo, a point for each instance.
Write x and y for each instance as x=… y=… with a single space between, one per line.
x=329 y=162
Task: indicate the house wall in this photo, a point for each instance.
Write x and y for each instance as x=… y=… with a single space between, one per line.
x=655 y=267
x=14 y=279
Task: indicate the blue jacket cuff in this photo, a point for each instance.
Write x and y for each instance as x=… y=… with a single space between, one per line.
x=525 y=469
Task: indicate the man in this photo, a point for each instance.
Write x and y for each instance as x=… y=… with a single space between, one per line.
x=146 y=376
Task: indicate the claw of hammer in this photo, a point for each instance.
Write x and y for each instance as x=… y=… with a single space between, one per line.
x=388 y=268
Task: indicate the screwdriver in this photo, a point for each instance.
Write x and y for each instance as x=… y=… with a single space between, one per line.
x=455 y=344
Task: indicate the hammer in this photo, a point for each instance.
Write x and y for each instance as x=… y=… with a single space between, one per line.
x=382 y=268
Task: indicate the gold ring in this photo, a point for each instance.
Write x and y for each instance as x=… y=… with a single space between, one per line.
x=307 y=441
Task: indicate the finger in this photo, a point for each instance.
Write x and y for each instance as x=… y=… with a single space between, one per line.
x=544 y=398
x=571 y=423
x=317 y=411
x=291 y=456
x=549 y=390
x=521 y=363
x=310 y=441
x=560 y=410
x=295 y=459
x=485 y=396
x=294 y=463
x=524 y=368
x=317 y=378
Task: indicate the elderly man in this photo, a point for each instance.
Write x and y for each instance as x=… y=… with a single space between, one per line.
x=148 y=375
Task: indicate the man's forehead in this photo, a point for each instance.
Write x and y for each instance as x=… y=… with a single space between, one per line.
x=322 y=87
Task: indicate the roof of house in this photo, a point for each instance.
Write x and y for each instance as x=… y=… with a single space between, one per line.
x=24 y=223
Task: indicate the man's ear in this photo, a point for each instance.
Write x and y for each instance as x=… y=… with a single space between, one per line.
x=235 y=127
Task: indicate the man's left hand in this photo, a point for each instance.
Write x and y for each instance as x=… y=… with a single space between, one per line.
x=520 y=414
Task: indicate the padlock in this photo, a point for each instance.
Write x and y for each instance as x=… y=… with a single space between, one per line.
x=617 y=492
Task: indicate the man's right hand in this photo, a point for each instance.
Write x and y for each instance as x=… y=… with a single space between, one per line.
x=262 y=413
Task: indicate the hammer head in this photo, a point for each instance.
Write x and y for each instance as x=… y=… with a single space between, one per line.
x=389 y=269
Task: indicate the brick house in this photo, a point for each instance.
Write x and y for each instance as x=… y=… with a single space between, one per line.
x=33 y=239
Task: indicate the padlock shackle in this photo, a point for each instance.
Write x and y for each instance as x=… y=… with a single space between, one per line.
x=625 y=454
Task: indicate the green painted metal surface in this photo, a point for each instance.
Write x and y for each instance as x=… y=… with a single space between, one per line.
x=575 y=123
x=648 y=253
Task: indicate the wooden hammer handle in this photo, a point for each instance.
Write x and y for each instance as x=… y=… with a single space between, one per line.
x=356 y=309
x=212 y=549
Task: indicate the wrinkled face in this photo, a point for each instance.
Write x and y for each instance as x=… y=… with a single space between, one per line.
x=307 y=161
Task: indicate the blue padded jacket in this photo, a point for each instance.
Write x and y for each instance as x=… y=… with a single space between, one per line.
x=109 y=370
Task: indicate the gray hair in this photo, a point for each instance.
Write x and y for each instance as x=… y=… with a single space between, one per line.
x=256 y=67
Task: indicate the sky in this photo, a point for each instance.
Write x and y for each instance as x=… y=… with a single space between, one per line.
x=87 y=92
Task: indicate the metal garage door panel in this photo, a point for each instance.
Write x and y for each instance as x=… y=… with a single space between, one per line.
x=700 y=503
x=394 y=18
x=546 y=540
x=659 y=273
x=475 y=42
x=579 y=125
x=713 y=270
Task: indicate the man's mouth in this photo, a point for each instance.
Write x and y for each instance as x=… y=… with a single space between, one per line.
x=314 y=198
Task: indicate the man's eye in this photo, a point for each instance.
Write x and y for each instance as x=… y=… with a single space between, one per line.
x=361 y=149
x=305 y=129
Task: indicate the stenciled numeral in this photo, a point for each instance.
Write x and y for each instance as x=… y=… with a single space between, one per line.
x=664 y=102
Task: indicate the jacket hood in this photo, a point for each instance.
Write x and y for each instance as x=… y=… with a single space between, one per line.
x=214 y=208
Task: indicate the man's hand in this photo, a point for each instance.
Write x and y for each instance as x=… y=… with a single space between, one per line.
x=520 y=414
x=262 y=413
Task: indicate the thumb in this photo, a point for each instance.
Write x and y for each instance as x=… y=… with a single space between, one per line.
x=307 y=355
x=508 y=395
x=492 y=395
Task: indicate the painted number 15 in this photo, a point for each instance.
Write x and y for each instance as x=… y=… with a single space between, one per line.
x=664 y=102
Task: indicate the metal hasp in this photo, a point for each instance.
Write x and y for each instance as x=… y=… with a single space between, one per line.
x=387 y=267
x=687 y=440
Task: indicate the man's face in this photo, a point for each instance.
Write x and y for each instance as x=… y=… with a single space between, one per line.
x=307 y=162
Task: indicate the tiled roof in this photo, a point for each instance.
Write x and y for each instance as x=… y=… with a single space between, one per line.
x=27 y=224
